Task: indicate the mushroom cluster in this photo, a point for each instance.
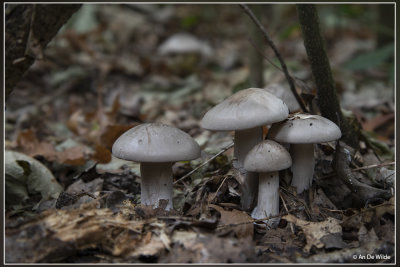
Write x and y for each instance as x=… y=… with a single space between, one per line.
x=157 y=146
x=245 y=112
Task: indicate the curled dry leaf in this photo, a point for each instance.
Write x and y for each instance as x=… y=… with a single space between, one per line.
x=316 y=231
x=25 y=176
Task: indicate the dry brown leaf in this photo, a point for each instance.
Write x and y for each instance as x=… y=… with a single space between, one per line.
x=77 y=123
x=29 y=144
x=101 y=154
x=236 y=216
x=72 y=156
x=377 y=122
x=110 y=133
x=315 y=231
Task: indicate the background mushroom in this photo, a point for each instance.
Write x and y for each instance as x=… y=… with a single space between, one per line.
x=302 y=131
x=285 y=94
x=156 y=146
x=245 y=112
x=267 y=158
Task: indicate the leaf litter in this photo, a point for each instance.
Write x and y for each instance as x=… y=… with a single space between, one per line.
x=69 y=200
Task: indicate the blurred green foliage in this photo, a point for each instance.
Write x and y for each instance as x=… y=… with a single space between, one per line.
x=373 y=59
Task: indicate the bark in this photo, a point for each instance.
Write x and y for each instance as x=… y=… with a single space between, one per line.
x=28 y=30
x=326 y=92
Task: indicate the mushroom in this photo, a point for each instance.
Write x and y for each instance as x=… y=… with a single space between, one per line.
x=245 y=112
x=156 y=147
x=302 y=131
x=267 y=158
x=285 y=94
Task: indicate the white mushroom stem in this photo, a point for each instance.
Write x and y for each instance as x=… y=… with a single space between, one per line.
x=156 y=183
x=245 y=140
x=302 y=166
x=268 y=198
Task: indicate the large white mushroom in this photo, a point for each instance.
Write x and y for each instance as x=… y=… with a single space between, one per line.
x=245 y=112
x=267 y=158
x=302 y=131
x=156 y=146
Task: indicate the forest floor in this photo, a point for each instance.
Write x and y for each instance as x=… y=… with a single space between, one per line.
x=69 y=200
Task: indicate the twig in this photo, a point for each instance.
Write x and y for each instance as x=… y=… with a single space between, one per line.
x=203 y=164
x=272 y=45
x=306 y=209
x=284 y=205
x=364 y=168
x=219 y=187
x=374 y=166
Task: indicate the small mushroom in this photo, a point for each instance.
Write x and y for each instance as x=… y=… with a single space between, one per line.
x=156 y=146
x=267 y=158
x=302 y=131
x=245 y=112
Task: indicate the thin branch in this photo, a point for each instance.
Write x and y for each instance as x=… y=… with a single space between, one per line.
x=299 y=82
x=216 y=192
x=277 y=54
x=374 y=166
x=284 y=205
x=203 y=164
x=364 y=168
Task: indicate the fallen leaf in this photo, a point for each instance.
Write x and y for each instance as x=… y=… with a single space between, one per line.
x=28 y=143
x=378 y=121
x=72 y=156
x=26 y=176
x=101 y=154
x=51 y=236
x=234 y=217
x=110 y=133
x=316 y=231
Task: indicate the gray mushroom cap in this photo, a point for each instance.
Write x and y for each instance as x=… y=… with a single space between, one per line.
x=245 y=109
x=155 y=142
x=305 y=129
x=267 y=156
x=182 y=43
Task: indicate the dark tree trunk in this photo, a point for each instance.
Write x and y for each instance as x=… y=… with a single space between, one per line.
x=29 y=28
x=326 y=92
